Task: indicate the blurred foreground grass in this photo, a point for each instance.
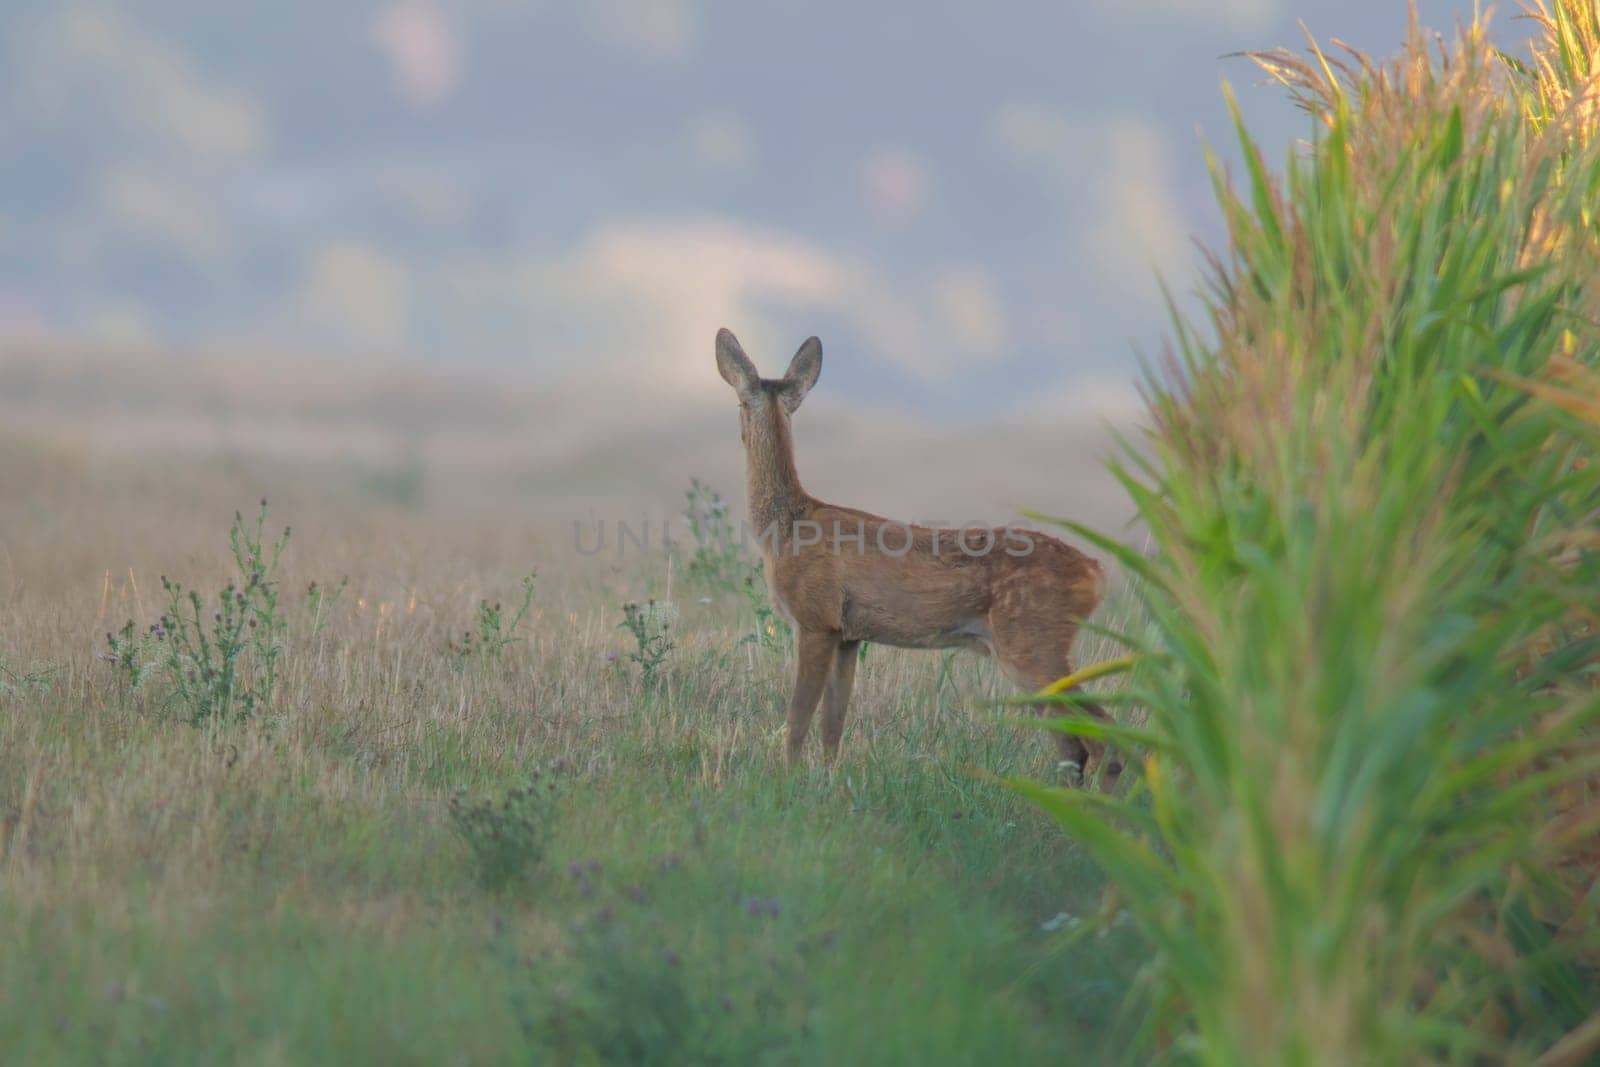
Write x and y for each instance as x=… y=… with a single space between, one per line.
x=1368 y=826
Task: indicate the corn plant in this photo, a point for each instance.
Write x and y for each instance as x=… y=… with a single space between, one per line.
x=1558 y=78
x=1365 y=822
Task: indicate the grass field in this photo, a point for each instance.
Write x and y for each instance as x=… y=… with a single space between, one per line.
x=446 y=788
x=293 y=887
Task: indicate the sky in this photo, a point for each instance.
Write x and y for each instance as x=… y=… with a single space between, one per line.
x=970 y=203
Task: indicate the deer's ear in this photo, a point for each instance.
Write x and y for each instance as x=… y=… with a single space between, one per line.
x=802 y=374
x=734 y=366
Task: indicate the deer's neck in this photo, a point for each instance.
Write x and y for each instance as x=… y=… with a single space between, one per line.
x=771 y=481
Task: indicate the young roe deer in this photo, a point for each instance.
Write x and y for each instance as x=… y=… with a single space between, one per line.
x=842 y=576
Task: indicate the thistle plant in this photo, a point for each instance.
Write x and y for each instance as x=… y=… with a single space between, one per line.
x=772 y=632
x=134 y=654
x=35 y=679
x=494 y=631
x=649 y=623
x=224 y=661
x=508 y=834
x=717 y=559
x=320 y=602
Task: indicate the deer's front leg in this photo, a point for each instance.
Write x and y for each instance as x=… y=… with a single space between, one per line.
x=816 y=651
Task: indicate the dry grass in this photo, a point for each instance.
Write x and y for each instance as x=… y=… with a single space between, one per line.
x=292 y=887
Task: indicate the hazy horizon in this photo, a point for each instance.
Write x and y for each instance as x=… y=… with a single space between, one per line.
x=489 y=243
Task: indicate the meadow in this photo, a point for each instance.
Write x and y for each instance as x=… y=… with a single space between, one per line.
x=435 y=785
x=455 y=835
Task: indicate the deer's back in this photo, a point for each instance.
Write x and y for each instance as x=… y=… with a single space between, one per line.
x=871 y=578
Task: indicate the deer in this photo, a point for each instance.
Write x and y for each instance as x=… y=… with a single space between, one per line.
x=841 y=576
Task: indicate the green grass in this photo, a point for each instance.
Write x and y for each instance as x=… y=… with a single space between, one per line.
x=293 y=887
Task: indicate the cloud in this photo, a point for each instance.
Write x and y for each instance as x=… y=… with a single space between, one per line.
x=1113 y=398
x=158 y=206
x=722 y=141
x=699 y=275
x=1113 y=176
x=895 y=184
x=154 y=144
x=424 y=51
x=659 y=30
x=355 y=296
x=423 y=193
x=970 y=312
x=121 y=324
x=1140 y=229
x=644 y=299
x=1039 y=137
x=97 y=69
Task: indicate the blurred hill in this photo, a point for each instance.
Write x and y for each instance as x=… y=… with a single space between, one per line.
x=412 y=436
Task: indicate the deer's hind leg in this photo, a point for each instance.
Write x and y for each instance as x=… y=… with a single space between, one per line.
x=836 y=697
x=813 y=667
x=1033 y=656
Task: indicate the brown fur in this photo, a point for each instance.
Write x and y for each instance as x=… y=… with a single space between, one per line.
x=843 y=576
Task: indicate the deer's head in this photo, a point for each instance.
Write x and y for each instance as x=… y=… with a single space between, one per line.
x=765 y=404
